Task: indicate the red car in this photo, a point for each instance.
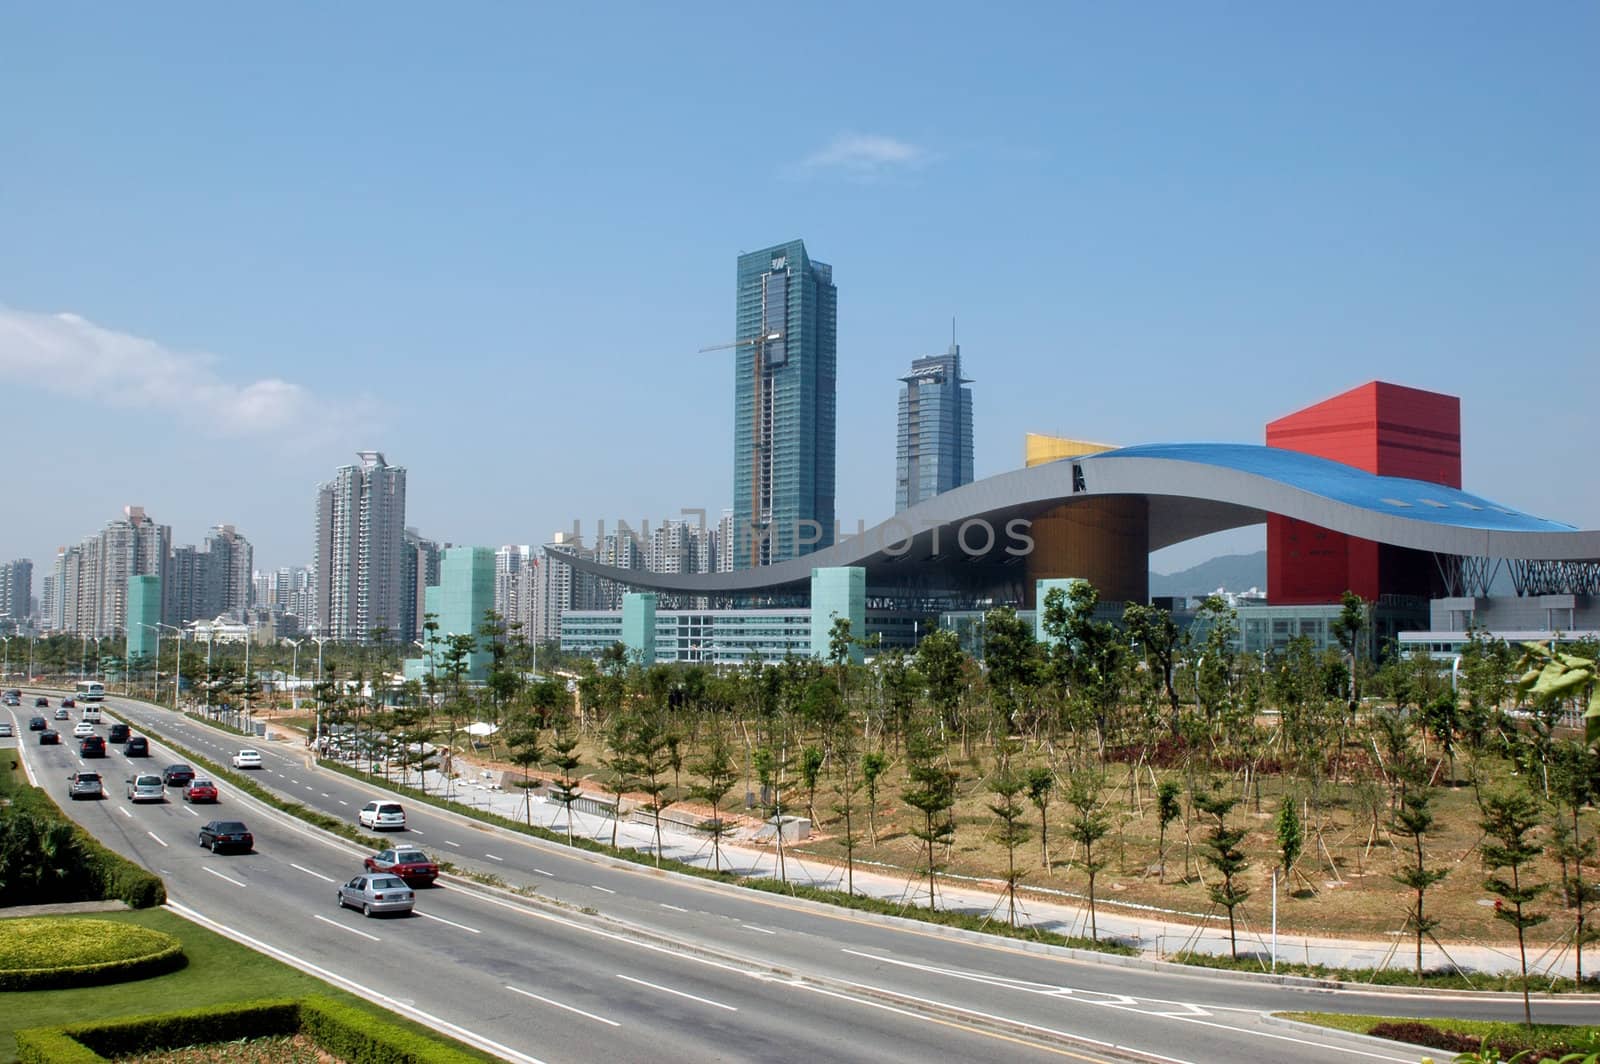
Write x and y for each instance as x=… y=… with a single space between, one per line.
x=200 y=790
x=412 y=866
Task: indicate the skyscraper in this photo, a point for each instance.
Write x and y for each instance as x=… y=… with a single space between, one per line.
x=933 y=448
x=361 y=518
x=16 y=590
x=785 y=367
x=419 y=570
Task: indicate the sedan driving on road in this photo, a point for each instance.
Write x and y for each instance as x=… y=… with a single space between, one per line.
x=412 y=866
x=82 y=728
x=119 y=733
x=49 y=737
x=5 y=731
x=41 y=702
x=200 y=790
x=62 y=714
x=138 y=746
x=227 y=835
x=247 y=759
x=382 y=816
x=146 y=787
x=176 y=775
x=377 y=894
x=91 y=746
x=37 y=724
x=84 y=785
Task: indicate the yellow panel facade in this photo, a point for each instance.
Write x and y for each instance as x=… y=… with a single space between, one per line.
x=1039 y=448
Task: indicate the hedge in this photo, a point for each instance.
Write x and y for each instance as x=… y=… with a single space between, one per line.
x=90 y=872
x=354 y=1035
x=32 y=942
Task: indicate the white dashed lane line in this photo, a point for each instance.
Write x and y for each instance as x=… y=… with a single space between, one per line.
x=457 y=845
x=492 y=857
x=542 y=872
x=309 y=872
x=674 y=908
x=559 y=1005
x=158 y=838
x=763 y=930
x=678 y=993
x=597 y=886
x=123 y=810
x=219 y=875
x=342 y=927
x=442 y=920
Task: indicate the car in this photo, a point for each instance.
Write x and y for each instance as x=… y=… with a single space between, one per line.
x=62 y=714
x=82 y=728
x=91 y=746
x=41 y=702
x=91 y=714
x=381 y=816
x=199 y=790
x=5 y=731
x=146 y=787
x=412 y=866
x=374 y=894
x=247 y=759
x=119 y=734
x=85 y=785
x=13 y=700
x=138 y=746
x=227 y=834
x=68 y=703
x=177 y=775
x=49 y=737
x=37 y=724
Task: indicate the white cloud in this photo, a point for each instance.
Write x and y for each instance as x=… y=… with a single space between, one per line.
x=70 y=356
x=866 y=155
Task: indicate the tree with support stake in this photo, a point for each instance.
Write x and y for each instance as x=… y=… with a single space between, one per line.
x=1226 y=857
x=1509 y=819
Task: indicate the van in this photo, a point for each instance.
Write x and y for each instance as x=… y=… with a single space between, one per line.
x=91 y=714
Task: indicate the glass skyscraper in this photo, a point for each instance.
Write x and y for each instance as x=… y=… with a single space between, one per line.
x=785 y=367
x=933 y=449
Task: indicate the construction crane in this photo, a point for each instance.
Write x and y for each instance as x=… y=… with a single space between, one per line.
x=759 y=343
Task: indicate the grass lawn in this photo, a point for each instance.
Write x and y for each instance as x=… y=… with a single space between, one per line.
x=1542 y=1036
x=219 y=971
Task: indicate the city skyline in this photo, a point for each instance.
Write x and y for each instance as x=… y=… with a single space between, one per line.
x=1143 y=243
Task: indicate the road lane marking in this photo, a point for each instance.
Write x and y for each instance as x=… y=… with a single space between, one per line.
x=158 y=838
x=325 y=794
x=492 y=857
x=342 y=927
x=442 y=920
x=674 y=908
x=219 y=875
x=559 y=1005
x=191 y=812
x=343 y=802
x=678 y=993
x=309 y=872
x=597 y=886
x=542 y=872
x=763 y=930
x=124 y=811
x=417 y=831
x=457 y=845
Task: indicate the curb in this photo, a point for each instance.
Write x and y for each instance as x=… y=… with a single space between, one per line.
x=1371 y=1041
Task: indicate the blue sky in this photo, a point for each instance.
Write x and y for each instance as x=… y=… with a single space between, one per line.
x=237 y=246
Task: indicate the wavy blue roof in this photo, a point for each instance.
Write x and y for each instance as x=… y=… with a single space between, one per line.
x=1397 y=496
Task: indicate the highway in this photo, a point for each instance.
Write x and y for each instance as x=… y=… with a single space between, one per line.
x=757 y=974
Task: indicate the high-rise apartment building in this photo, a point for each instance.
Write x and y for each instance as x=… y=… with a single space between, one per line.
x=933 y=444
x=558 y=588
x=784 y=431
x=419 y=565
x=360 y=534
x=513 y=587
x=16 y=591
x=204 y=584
x=89 y=590
x=47 y=600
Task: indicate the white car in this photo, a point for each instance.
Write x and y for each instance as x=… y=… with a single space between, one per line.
x=81 y=729
x=247 y=759
x=382 y=816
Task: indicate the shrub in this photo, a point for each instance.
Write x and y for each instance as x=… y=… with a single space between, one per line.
x=46 y=857
x=353 y=1035
x=44 y=953
x=1422 y=1034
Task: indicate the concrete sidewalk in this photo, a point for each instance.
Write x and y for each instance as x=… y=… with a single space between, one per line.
x=1155 y=932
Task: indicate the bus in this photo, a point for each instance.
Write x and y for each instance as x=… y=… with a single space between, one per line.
x=90 y=691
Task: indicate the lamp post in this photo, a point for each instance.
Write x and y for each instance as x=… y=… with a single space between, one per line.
x=294 y=667
x=247 y=673
x=5 y=665
x=156 y=628
x=83 y=658
x=30 y=658
x=177 y=672
x=316 y=735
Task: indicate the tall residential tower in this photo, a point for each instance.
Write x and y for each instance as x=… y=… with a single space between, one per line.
x=933 y=448
x=785 y=366
x=361 y=519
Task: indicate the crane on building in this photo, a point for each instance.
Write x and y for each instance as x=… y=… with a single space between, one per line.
x=757 y=424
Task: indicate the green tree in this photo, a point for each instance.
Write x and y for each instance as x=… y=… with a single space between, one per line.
x=845 y=789
x=1168 y=809
x=1087 y=826
x=564 y=757
x=1509 y=820
x=1156 y=635
x=1007 y=786
x=811 y=762
x=771 y=766
x=718 y=775
x=1414 y=820
x=1291 y=835
x=1224 y=855
x=931 y=791
x=621 y=764
x=523 y=741
x=942 y=664
x=873 y=765
x=648 y=746
x=1010 y=659
x=1574 y=783
x=1041 y=788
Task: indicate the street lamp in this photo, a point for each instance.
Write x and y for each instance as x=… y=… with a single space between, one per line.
x=177 y=674
x=156 y=628
x=316 y=735
x=5 y=663
x=294 y=667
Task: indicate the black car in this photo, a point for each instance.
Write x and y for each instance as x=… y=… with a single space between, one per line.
x=49 y=737
x=137 y=747
x=37 y=724
x=41 y=702
x=227 y=834
x=119 y=733
x=69 y=703
x=176 y=775
x=92 y=746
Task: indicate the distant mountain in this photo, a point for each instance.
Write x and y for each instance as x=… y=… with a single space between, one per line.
x=1233 y=572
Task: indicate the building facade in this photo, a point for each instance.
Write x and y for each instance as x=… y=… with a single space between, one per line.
x=465 y=592
x=143 y=601
x=933 y=438
x=360 y=530
x=16 y=592
x=784 y=432
x=419 y=564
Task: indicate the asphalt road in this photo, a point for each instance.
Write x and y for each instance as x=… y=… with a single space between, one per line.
x=830 y=978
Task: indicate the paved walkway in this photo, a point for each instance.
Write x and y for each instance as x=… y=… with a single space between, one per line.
x=1154 y=931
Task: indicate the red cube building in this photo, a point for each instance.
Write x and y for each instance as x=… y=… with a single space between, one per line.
x=1383 y=428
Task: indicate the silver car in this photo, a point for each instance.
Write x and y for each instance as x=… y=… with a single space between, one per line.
x=146 y=787
x=377 y=893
